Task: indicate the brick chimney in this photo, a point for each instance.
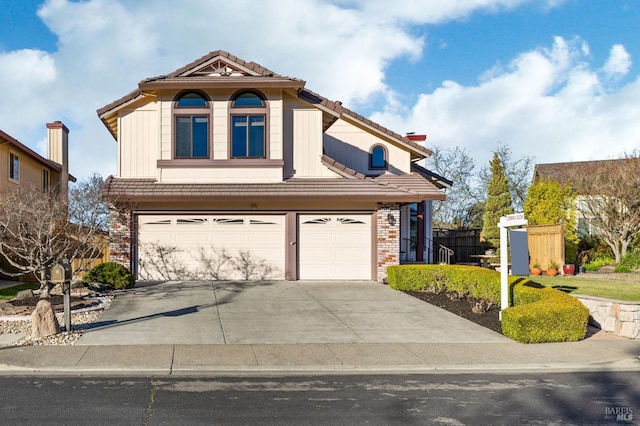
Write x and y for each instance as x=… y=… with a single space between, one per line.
x=58 y=150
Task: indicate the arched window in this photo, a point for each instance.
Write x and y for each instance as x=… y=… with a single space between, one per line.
x=249 y=115
x=378 y=158
x=192 y=116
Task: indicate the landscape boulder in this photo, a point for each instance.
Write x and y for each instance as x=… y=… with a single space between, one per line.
x=43 y=320
x=24 y=294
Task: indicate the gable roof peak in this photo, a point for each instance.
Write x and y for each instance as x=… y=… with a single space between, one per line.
x=222 y=63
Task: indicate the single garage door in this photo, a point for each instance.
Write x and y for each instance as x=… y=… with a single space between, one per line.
x=334 y=246
x=211 y=247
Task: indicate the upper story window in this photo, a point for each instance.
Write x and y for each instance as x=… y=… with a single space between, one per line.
x=14 y=167
x=249 y=115
x=378 y=158
x=45 y=180
x=192 y=117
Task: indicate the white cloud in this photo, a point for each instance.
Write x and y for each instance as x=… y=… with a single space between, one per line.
x=23 y=74
x=548 y=103
x=618 y=63
x=340 y=47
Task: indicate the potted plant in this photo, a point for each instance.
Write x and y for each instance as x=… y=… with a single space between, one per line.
x=552 y=270
x=569 y=269
x=535 y=269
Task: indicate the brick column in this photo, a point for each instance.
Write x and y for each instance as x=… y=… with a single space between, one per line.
x=388 y=237
x=120 y=235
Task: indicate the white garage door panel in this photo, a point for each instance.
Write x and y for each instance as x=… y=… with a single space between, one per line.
x=187 y=236
x=334 y=246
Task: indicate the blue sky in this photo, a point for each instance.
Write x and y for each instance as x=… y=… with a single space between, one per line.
x=555 y=80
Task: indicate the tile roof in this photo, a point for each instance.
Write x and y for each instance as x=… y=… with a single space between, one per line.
x=562 y=172
x=262 y=77
x=12 y=141
x=406 y=189
x=251 y=66
x=341 y=111
x=440 y=181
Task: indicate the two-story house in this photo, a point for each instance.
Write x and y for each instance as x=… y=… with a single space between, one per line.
x=224 y=165
x=26 y=168
x=21 y=167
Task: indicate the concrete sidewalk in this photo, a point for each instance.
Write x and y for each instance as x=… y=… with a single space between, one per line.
x=204 y=328
x=352 y=358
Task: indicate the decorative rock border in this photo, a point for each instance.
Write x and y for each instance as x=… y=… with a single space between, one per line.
x=619 y=317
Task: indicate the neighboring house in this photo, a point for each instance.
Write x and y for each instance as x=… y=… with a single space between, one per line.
x=20 y=166
x=562 y=173
x=229 y=170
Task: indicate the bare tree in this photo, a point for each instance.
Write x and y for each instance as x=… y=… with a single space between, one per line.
x=88 y=217
x=609 y=197
x=39 y=229
x=455 y=164
x=465 y=204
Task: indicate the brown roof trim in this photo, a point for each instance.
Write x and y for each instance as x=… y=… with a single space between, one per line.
x=438 y=180
x=223 y=82
x=340 y=168
x=123 y=100
x=12 y=141
x=292 y=189
x=336 y=108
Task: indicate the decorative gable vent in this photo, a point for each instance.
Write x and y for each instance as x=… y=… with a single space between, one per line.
x=218 y=68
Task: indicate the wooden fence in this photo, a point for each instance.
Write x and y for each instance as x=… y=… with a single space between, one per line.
x=546 y=245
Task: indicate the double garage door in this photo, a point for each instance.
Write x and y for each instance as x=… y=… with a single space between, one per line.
x=329 y=246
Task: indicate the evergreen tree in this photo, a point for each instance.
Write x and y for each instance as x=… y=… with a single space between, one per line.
x=498 y=202
x=550 y=203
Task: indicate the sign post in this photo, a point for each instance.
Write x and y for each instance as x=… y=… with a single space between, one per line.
x=506 y=222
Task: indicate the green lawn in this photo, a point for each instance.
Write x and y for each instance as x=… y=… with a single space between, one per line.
x=10 y=293
x=617 y=286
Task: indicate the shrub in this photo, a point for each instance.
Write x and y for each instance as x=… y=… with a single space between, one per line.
x=598 y=263
x=110 y=273
x=541 y=314
x=630 y=262
x=478 y=282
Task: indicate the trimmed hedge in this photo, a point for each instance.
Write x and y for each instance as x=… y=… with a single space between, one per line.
x=110 y=273
x=478 y=282
x=539 y=314
x=543 y=314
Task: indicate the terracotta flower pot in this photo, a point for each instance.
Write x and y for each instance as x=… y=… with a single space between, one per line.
x=569 y=269
x=552 y=272
x=535 y=271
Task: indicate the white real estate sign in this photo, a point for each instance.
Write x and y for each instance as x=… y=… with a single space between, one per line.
x=506 y=222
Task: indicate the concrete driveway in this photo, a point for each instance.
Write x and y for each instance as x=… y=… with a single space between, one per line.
x=279 y=312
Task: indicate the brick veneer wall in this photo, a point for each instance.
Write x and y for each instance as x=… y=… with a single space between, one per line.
x=388 y=238
x=120 y=227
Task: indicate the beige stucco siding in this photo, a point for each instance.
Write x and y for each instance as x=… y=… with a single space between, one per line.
x=30 y=170
x=139 y=142
x=307 y=144
x=350 y=145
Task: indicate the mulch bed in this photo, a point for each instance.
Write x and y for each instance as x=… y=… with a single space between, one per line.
x=463 y=308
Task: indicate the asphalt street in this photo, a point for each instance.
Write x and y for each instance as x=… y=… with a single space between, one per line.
x=453 y=399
